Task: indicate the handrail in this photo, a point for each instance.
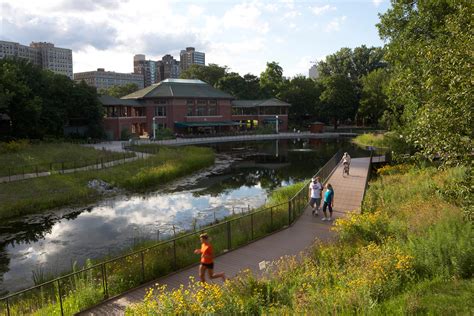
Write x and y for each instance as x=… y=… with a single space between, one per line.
x=300 y=196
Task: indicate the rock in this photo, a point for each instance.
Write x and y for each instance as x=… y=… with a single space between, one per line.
x=100 y=186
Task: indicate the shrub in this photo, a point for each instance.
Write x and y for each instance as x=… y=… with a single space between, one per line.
x=14 y=146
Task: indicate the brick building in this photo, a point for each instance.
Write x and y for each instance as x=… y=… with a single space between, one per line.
x=188 y=107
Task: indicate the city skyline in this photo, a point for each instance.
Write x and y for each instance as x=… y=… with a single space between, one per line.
x=242 y=35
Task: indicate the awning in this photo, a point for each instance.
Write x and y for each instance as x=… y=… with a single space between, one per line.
x=205 y=124
x=272 y=120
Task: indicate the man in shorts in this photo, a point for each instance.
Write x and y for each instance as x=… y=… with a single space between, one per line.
x=207 y=260
x=315 y=189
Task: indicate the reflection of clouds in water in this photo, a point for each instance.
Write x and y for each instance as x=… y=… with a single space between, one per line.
x=114 y=225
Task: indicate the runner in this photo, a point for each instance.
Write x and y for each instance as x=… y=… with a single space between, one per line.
x=207 y=260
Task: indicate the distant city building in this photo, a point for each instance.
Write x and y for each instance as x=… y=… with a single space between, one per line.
x=313 y=72
x=149 y=69
x=190 y=57
x=102 y=79
x=169 y=68
x=45 y=55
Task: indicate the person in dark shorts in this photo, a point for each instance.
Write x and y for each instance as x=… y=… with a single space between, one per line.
x=207 y=260
x=328 y=202
x=315 y=191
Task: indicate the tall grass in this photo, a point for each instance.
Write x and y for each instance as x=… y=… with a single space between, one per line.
x=408 y=235
x=44 y=193
x=23 y=157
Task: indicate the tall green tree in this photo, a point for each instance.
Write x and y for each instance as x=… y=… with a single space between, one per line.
x=41 y=103
x=339 y=98
x=211 y=73
x=373 y=101
x=119 y=91
x=271 y=80
x=303 y=95
x=430 y=50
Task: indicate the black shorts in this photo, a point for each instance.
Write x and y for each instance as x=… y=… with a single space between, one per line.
x=208 y=265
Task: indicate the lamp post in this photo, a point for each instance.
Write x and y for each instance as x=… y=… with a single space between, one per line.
x=276 y=124
x=154 y=128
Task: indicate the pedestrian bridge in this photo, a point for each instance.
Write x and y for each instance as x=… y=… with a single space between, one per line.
x=348 y=194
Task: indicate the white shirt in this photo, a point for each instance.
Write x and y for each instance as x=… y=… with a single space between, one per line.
x=346 y=159
x=316 y=189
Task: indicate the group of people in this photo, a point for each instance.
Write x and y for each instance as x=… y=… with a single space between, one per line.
x=316 y=192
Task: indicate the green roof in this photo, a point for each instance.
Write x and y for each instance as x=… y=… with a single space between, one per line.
x=179 y=88
x=258 y=103
x=108 y=100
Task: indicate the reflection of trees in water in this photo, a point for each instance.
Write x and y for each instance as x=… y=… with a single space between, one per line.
x=4 y=264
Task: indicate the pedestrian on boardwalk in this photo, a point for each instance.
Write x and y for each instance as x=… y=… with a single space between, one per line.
x=207 y=260
x=346 y=163
x=328 y=202
x=315 y=191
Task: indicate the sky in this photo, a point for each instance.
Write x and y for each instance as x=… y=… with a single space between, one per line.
x=242 y=35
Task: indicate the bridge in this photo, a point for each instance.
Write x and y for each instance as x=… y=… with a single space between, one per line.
x=297 y=238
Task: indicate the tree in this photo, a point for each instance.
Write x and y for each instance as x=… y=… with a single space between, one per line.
x=41 y=103
x=211 y=73
x=271 y=80
x=373 y=101
x=339 y=98
x=303 y=95
x=430 y=91
x=246 y=87
x=119 y=91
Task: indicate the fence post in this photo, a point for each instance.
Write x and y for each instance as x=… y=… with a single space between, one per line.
x=174 y=255
x=271 y=218
x=251 y=225
x=62 y=166
x=8 y=308
x=102 y=272
x=23 y=171
x=229 y=236
x=143 y=265
x=289 y=212
x=60 y=297
x=9 y=174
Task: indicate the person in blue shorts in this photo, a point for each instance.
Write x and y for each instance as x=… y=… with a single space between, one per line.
x=328 y=202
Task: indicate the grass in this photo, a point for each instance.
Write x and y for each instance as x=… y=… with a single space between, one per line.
x=85 y=289
x=410 y=247
x=23 y=157
x=44 y=193
x=370 y=139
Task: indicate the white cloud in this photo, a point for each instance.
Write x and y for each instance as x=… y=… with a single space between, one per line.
x=377 y=2
x=335 y=24
x=195 y=11
x=320 y=10
x=291 y=14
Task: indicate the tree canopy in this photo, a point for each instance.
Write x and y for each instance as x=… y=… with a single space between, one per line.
x=430 y=92
x=40 y=103
x=119 y=91
x=210 y=74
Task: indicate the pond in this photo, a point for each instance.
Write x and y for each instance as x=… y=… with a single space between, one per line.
x=49 y=243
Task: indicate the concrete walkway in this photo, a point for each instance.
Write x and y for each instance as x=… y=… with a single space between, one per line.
x=349 y=191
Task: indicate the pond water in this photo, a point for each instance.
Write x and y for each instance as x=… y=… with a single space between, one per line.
x=242 y=178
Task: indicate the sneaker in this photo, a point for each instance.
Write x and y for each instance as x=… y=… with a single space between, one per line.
x=323 y=219
x=329 y=219
x=312 y=212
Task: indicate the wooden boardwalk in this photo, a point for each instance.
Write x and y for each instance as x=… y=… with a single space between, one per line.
x=348 y=193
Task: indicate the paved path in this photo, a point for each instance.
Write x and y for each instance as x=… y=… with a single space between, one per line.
x=349 y=191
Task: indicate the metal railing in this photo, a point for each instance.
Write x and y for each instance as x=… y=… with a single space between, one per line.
x=82 y=289
x=21 y=172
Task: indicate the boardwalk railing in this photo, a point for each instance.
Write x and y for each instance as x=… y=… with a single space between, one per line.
x=82 y=289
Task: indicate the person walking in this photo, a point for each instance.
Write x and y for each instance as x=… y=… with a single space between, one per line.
x=315 y=191
x=328 y=202
x=207 y=260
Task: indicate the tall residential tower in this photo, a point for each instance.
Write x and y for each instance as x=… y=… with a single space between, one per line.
x=190 y=57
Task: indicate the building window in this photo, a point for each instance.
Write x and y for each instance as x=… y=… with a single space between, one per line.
x=190 y=110
x=201 y=102
x=213 y=102
x=213 y=109
x=160 y=111
x=189 y=102
x=201 y=110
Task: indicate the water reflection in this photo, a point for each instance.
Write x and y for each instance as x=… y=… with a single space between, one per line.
x=52 y=242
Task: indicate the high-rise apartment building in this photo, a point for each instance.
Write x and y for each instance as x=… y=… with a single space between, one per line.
x=313 y=72
x=45 y=55
x=190 y=57
x=102 y=79
x=149 y=69
x=169 y=68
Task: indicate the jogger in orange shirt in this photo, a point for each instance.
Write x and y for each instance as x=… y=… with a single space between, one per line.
x=207 y=259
